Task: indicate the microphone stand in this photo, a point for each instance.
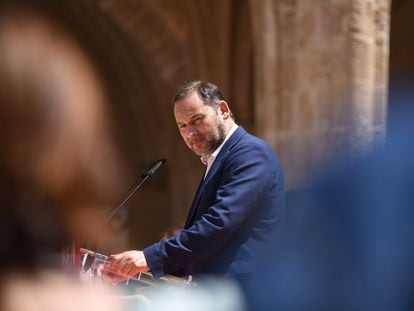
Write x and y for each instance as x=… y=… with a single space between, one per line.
x=147 y=174
x=125 y=198
x=88 y=259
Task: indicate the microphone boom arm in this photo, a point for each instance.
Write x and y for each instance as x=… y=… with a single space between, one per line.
x=144 y=177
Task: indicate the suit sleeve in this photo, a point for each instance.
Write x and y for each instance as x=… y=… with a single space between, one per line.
x=248 y=174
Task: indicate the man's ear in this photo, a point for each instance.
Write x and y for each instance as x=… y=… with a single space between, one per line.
x=224 y=109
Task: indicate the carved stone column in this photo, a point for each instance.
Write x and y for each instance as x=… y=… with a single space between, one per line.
x=320 y=77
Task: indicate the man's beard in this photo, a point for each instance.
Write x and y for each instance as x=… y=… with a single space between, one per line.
x=217 y=141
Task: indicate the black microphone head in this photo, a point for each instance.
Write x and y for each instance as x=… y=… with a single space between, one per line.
x=153 y=168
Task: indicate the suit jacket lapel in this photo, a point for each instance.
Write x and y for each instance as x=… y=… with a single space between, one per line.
x=223 y=152
x=216 y=164
x=195 y=203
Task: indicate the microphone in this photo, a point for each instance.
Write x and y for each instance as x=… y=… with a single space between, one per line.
x=147 y=174
x=153 y=168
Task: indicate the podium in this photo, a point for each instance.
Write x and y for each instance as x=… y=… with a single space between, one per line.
x=91 y=262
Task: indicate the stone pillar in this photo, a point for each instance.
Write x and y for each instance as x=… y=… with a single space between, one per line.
x=320 y=77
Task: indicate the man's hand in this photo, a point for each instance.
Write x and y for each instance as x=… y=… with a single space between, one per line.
x=124 y=265
x=129 y=263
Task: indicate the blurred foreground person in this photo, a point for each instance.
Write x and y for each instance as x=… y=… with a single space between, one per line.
x=350 y=240
x=53 y=148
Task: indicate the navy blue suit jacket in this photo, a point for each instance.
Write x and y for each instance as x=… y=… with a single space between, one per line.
x=237 y=209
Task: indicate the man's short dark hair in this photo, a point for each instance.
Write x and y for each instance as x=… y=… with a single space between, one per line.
x=208 y=92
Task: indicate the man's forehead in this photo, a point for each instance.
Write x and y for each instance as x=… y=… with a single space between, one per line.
x=190 y=106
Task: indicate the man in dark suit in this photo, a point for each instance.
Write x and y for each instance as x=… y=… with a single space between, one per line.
x=239 y=204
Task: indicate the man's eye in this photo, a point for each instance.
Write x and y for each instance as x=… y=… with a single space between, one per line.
x=181 y=126
x=196 y=121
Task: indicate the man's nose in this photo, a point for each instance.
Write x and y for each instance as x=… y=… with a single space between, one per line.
x=190 y=130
